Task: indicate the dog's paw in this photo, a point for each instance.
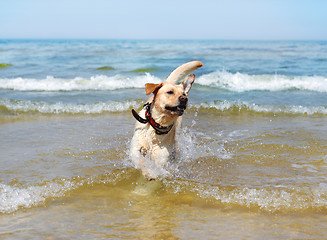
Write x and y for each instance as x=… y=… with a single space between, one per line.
x=148 y=176
x=143 y=151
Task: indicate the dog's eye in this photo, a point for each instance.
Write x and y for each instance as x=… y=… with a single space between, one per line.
x=170 y=92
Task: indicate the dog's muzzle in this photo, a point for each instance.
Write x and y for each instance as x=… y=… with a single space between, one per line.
x=179 y=109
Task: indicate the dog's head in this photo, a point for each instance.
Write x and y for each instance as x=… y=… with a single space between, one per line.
x=169 y=98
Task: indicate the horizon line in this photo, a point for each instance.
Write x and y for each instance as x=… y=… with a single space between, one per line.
x=164 y=39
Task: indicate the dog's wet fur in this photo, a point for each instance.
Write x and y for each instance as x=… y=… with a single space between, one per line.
x=149 y=150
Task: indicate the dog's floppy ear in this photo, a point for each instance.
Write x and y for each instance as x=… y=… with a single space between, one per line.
x=152 y=88
x=187 y=82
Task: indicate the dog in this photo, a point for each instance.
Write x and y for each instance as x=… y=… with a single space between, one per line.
x=153 y=142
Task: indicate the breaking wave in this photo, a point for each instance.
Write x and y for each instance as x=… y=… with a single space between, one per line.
x=242 y=106
x=13 y=197
x=19 y=106
x=273 y=199
x=66 y=108
x=237 y=82
x=99 y=82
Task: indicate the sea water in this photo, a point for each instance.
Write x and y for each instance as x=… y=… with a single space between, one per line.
x=253 y=161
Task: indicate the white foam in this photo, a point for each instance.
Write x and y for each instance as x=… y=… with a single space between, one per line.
x=246 y=106
x=121 y=106
x=57 y=108
x=99 y=82
x=272 y=200
x=239 y=82
x=12 y=198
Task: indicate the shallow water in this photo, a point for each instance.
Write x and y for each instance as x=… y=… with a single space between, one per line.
x=70 y=177
x=253 y=161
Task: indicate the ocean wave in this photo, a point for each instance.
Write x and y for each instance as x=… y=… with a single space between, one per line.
x=99 y=82
x=66 y=108
x=240 y=82
x=274 y=199
x=14 y=197
x=237 y=82
x=242 y=106
x=19 y=106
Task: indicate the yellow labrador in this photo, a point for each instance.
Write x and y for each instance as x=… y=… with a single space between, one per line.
x=153 y=142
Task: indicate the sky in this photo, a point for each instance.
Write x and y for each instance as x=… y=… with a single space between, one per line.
x=164 y=19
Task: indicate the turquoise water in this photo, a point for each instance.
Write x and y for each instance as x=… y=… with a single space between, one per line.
x=64 y=75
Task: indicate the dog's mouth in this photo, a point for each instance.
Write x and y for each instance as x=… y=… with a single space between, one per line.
x=179 y=110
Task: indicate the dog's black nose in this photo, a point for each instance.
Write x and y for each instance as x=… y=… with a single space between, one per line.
x=183 y=99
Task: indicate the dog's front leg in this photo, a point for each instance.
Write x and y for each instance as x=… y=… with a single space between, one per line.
x=160 y=156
